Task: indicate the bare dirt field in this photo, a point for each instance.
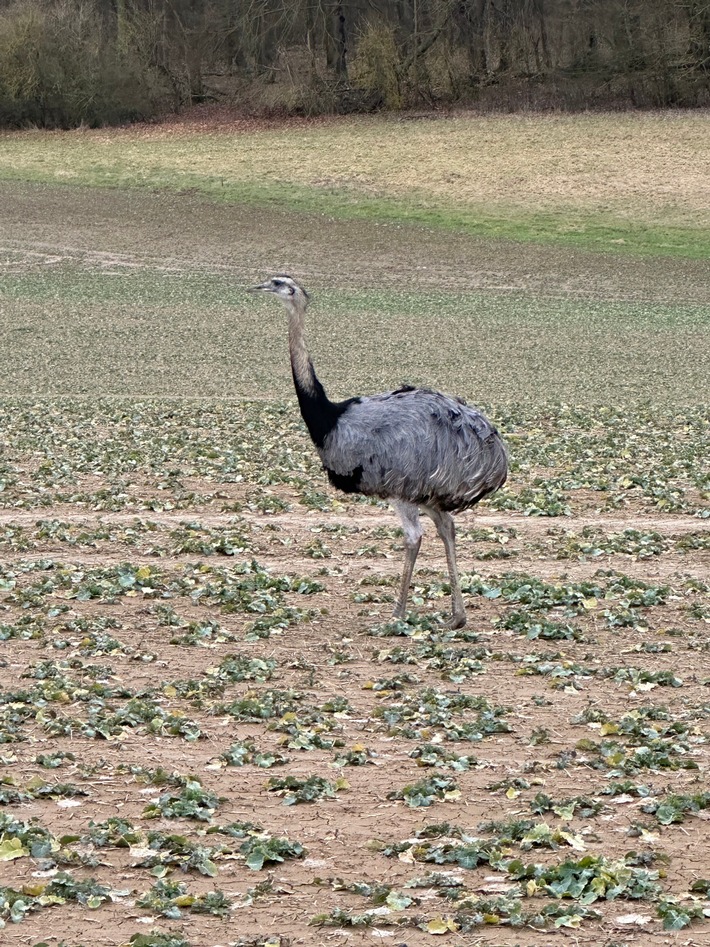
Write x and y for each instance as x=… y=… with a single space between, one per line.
x=200 y=675
x=211 y=731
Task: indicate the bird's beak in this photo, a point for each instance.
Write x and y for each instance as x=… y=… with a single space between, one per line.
x=255 y=289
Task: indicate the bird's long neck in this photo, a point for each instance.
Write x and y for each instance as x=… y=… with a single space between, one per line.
x=319 y=413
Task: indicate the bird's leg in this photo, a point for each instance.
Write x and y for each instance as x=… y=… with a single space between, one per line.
x=413 y=532
x=445 y=527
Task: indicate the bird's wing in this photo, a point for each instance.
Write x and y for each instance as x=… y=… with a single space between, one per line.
x=418 y=445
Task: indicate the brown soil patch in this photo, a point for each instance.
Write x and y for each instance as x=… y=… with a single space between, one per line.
x=333 y=656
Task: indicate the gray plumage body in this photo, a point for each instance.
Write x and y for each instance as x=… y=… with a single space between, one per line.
x=418 y=448
x=416 y=445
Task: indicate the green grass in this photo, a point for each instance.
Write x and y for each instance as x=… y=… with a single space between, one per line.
x=613 y=183
x=573 y=228
x=567 y=227
x=125 y=271
x=78 y=330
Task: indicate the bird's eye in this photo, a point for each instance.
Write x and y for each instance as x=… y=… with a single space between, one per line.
x=277 y=282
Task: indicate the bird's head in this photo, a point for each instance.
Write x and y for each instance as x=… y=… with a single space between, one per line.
x=287 y=289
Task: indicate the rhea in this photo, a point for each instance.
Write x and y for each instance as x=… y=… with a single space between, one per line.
x=420 y=449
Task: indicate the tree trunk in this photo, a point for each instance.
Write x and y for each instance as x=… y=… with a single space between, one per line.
x=341 y=66
x=471 y=18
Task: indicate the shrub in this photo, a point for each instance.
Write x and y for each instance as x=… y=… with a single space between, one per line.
x=375 y=70
x=59 y=67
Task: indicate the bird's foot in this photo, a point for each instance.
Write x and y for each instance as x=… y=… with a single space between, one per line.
x=399 y=612
x=457 y=620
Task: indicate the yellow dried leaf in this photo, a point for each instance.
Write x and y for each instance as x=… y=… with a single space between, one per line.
x=12 y=848
x=185 y=900
x=441 y=925
x=33 y=890
x=575 y=841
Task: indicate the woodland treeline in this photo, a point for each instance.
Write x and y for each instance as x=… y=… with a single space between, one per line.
x=68 y=62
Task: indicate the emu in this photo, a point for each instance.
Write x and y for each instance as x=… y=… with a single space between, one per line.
x=419 y=449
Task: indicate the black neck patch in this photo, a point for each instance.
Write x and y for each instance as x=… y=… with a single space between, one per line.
x=319 y=412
